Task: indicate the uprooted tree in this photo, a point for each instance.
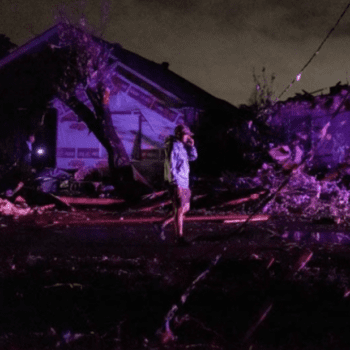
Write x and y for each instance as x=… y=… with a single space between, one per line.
x=74 y=63
x=84 y=66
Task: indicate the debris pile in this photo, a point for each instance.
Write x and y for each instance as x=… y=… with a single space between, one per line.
x=21 y=208
x=304 y=196
x=308 y=197
x=9 y=209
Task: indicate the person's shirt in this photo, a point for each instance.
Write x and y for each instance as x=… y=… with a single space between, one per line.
x=177 y=158
x=30 y=146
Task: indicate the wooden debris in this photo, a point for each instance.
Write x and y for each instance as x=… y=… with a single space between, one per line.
x=162 y=203
x=199 y=196
x=58 y=201
x=167 y=335
x=18 y=188
x=145 y=220
x=271 y=261
x=304 y=258
x=89 y=201
x=261 y=317
x=156 y=206
x=153 y=195
x=243 y=218
x=346 y=293
x=299 y=265
x=251 y=197
x=35 y=197
x=44 y=208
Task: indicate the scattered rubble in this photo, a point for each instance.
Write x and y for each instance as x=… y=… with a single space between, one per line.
x=91 y=201
x=304 y=196
x=304 y=258
x=9 y=209
x=20 y=208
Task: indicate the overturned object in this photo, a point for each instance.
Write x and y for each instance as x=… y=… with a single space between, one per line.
x=287 y=157
x=48 y=180
x=280 y=154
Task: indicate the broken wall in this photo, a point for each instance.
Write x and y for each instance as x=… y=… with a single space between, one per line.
x=320 y=123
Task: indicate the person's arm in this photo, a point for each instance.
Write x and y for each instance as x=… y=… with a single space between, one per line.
x=192 y=153
x=190 y=148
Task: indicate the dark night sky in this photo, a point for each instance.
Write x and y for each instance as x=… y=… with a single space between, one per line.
x=213 y=43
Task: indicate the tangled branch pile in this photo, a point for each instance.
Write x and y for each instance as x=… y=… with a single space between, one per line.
x=303 y=196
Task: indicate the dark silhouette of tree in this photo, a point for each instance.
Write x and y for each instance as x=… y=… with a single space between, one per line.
x=6 y=45
x=74 y=63
x=84 y=65
x=262 y=96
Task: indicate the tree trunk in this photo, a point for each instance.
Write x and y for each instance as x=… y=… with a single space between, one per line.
x=100 y=124
x=117 y=155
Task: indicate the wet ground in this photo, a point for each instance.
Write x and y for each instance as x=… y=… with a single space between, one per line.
x=277 y=285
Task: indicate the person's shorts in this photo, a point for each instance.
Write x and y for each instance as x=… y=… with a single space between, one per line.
x=180 y=196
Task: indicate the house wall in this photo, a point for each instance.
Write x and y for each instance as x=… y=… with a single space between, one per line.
x=76 y=147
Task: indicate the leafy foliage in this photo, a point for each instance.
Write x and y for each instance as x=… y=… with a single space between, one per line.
x=84 y=65
x=83 y=59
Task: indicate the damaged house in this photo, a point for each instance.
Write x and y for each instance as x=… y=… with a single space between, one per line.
x=318 y=123
x=144 y=100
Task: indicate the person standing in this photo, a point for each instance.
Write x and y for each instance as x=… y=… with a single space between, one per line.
x=179 y=151
x=28 y=150
x=26 y=161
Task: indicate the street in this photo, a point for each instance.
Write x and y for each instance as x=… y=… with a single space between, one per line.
x=276 y=285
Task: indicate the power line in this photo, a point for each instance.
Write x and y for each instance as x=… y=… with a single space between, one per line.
x=316 y=52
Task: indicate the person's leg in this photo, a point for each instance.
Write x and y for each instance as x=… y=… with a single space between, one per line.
x=186 y=207
x=180 y=219
x=179 y=222
x=181 y=205
x=170 y=218
x=160 y=227
x=184 y=195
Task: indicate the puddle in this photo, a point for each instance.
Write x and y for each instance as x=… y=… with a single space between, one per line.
x=317 y=234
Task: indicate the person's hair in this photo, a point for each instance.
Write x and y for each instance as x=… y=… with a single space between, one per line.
x=30 y=135
x=182 y=129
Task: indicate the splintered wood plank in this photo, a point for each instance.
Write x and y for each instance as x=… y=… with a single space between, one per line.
x=236 y=218
x=163 y=203
x=236 y=201
x=155 y=206
x=90 y=201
